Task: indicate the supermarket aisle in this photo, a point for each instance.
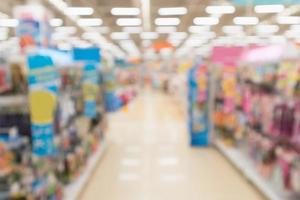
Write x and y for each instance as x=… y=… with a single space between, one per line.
x=148 y=159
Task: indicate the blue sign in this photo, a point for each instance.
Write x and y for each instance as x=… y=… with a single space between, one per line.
x=87 y=54
x=197 y=112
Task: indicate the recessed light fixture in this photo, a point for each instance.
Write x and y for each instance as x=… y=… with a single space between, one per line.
x=56 y=22
x=295 y=27
x=198 y=29
x=206 y=21
x=269 y=8
x=103 y=29
x=89 y=22
x=125 y=11
x=166 y=29
x=173 y=21
x=91 y=35
x=278 y=39
x=64 y=46
x=172 y=11
x=178 y=35
x=206 y=35
x=265 y=29
x=129 y=21
x=288 y=20
x=119 y=36
x=149 y=35
x=9 y=22
x=292 y=33
x=226 y=9
x=66 y=29
x=79 y=11
x=246 y=20
x=134 y=29
x=232 y=29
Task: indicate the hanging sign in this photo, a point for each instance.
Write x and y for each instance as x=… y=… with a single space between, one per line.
x=198 y=105
x=91 y=58
x=43 y=80
x=90 y=88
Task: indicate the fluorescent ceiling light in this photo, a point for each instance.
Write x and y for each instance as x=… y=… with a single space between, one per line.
x=129 y=22
x=64 y=46
x=125 y=11
x=166 y=29
x=172 y=11
x=246 y=20
x=59 y=36
x=266 y=29
x=91 y=35
x=269 y=8
x=206 y=20
x=195 y=42
x=178 y=35
x=79 y=11
x=292 y=33
x=220 y=9
x=277 y=39
x=119 y=36
x=56 y=22
x=198 y=29
x=103 y=29
x=173 y=21
x=295 y=27
x=232 y=29
x=9 y=22
x=136 y=29
x=288 y=20
x=206 y=35
x=66 y=29
x=149 y=35
x=89 y=22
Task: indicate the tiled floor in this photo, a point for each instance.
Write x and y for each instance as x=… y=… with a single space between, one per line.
x=148 y=158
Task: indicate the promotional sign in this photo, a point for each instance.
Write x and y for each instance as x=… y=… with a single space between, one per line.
x=90 y=88
x=198 y=105
x=43 y=81
x=91 y=58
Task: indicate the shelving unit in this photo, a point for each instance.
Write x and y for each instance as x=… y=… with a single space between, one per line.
x=248 y=170
x=13 y=100
x=73 y=190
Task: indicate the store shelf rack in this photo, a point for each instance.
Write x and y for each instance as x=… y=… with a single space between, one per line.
x=248 y=170
x=73 y=190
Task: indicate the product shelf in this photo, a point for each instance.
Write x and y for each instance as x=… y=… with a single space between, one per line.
x=73 y=190
x=248 y=170
x=13 y=100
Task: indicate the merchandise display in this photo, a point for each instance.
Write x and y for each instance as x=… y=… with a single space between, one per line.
x=198 y=104
x=75 y=139
x=256 y=112
x=183 y=83
x=120 y=85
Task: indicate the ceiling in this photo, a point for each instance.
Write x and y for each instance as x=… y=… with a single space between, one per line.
x=196 y=8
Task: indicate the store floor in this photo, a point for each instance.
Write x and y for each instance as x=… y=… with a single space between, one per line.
x=148 y=158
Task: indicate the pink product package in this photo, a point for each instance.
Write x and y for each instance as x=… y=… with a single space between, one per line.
x=247 y=101
x=229 y=104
